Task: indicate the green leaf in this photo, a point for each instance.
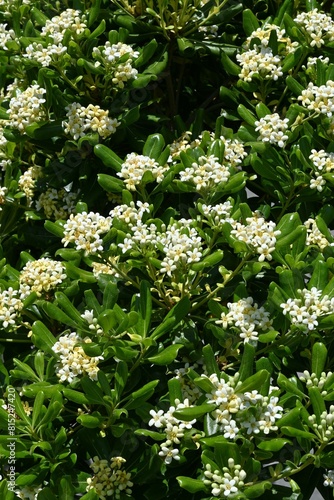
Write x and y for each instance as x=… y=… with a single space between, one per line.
x=42 y=337
x=247 y=362
x=191 y=485
x=92 y=391
x=196 y=412
x=153 y=146
x=318 y=403
x=254 y=382
x=293 y=432
x=210 y=360
x=110 y=184
x=246 y=115
x=108 y=157
x=249 y=22
x=47 y=494
x=90 y=421
x=121 y=376
x=319 y=357
x=146 y=391
x=75 y=396
x=174 y=390
x=173 y=318
x=229 y=66
x=274 y=444
x=166 y=356
x=145 y=309
x=65 y=489
x=289 y=385
x=258 y=489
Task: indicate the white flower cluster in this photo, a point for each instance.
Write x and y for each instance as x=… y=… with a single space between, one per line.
x=108 y=267
x=314 y=236
x=5 y=36
x=82 y=120
x=318 y=26
x=181 y=245
x=323 y=163
x=27 y=181
x=27 y=107
x=92 y=321
x=320 y=99
x=329 y=478
x=247 y=317
x=312 y=61
x=259 y=60
x=234 y=152
x=226 y=482
x=84 y=231
x=258 y=234
x=130 y=214
x=206 y=173
x=10 y=306
x=28 y=492
x=57 y=204
x=307 y=308
x=110 y=479
x=70 y=19
x=73 y=361
x=312 y=380
x=324 y=429
x=230 y=414
x=135 y=166
x=117 y=60
x=173 y=428
x=210 y=31
x=44 y=55
x=182 y=144
x=42 y=275
x=216 y=215
x=190 y=391
x=272 y=129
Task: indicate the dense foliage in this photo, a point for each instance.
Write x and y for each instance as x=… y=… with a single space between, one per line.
x=167 y=260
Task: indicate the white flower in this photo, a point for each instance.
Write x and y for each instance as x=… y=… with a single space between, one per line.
x=81 y=120
x=158 y=419
x=169 y=454
x=271 y=129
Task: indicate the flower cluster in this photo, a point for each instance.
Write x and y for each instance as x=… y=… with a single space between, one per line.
x=312 y=380
x=216 y=215
x=190 y=391
x=73 y=361
x=117 y=60
x=307 y=307
x=173 y=428
x=314 y=236
x=234 y=152
x=258 y=60
x=226 y=482
x=247 y=317
x=28 y=492
x=272 y=129
x=110 y=479
x=258 y=234
x=42 y=275
x=134 y=168
x=27 y=107
x=69 y=19
x=206 y=173
x=181 y=245
x=329 y=478
x=84 y=231
x=92 y=321
x=44 y=55
x=320 y=99
x=236 y=412
x=10 y=306
x=57 y=204
x=325 y=429
x=5 y=36
x=27 y=181
x=318 y=26
x=323 y=164
x=81 y=119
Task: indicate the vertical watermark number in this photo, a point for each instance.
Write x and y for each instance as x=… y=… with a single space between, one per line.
x=11 y=438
